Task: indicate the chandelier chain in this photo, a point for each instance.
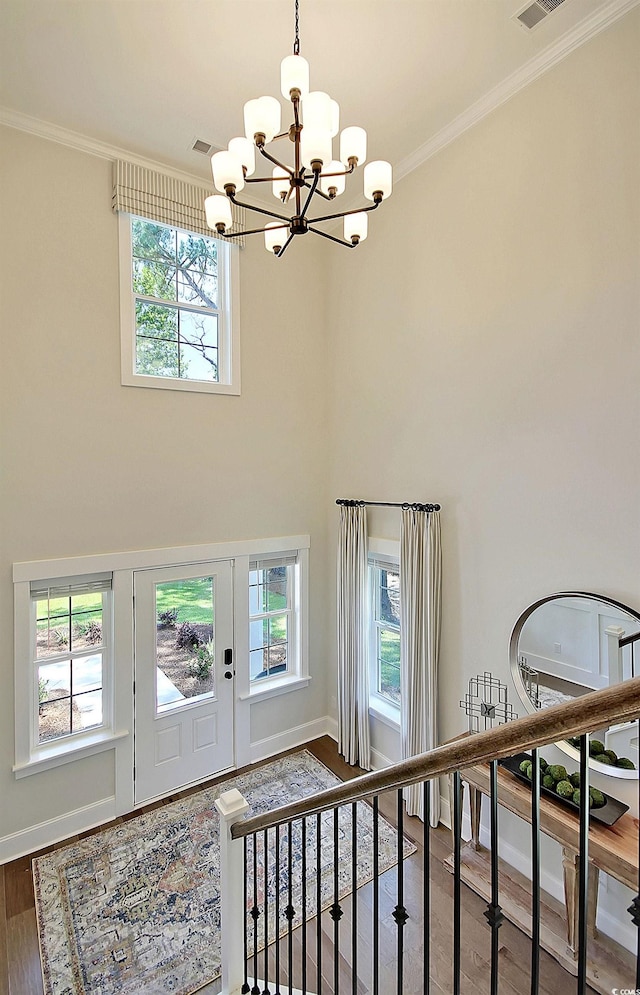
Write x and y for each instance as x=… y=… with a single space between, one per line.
x=296 y=43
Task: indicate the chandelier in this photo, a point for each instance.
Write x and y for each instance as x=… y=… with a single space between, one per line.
x=314 y=177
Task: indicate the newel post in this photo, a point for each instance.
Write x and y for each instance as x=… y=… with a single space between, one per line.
x=614 y=654
x=231 y=807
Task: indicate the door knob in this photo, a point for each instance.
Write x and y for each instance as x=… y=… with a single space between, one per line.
x=228 y=676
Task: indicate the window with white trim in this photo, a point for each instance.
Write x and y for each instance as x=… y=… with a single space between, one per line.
x=384 y=631
x=71 y=640
x=274 y=622
x=179 y=308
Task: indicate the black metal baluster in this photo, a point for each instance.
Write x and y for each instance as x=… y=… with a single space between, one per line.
x=354 y=898
x=336 y=910
x=255 y=915
x=277 y=925
x=493 y=915
x=535 y=872
x=426 y=888
x=376 y=900
x=583 y=865
x=400 y=913
x=290 y=911
x=634 y=908
x=304 y=906
x=457 y=830
x=265 y=990
x=319 y=902
x=245 y=986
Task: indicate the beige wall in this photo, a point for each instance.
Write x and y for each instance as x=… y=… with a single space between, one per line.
x=480 y=349
x=486 y=355
x=90 y=466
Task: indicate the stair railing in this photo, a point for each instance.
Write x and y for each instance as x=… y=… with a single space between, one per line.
x=243 y=839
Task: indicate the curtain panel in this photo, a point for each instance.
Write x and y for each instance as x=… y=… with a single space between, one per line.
x=353 y=666
x=420 y=620
x=159 y=197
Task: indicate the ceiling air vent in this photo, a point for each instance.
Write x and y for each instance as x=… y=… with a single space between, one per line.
x=531 y=15
x=200 y=146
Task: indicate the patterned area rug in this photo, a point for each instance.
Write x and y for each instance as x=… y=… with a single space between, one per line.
x=135 y=909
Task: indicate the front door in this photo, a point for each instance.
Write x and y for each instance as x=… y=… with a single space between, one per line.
x=184 y=686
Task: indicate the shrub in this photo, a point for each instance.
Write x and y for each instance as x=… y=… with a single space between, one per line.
x=187 y=637
x=202 y=661
x=43 y=694
x=92 y=631
x=167 y=619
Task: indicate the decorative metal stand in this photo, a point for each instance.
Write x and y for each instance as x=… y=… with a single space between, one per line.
x=486 y=701
x=486 y=704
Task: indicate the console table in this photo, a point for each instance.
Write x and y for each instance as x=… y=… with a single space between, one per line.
x=613 y=850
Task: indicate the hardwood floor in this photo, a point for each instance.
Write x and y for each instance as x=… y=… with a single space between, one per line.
x=20 y=961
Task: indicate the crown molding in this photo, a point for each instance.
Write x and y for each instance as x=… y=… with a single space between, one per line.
x=82 y=143
x=518 y=80
x=500 y=94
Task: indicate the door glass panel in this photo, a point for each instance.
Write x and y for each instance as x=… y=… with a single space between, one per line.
x=185 y=632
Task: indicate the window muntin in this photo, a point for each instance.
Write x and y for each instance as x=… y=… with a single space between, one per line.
x=385 y=631
x=177 y=302
x=71 y=643
x=179 y=308
x=271 y=619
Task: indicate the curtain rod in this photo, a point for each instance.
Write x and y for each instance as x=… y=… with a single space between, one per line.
x=405 y=505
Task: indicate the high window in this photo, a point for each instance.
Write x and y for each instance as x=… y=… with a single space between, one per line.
x=384 y=639
x=273 y=622
x=179 y=320
x=71 y=658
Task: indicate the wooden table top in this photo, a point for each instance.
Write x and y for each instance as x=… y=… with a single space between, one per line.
x=613 y=849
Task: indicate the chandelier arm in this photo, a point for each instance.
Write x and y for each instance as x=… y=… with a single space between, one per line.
x=344 y=214
x=276 y=162
x=258 y=210
x=258 y=179
x=346 y=172
x=312 y=190
x=340 y=241
x=251 y=231
x=320 y=193
x=281 y=253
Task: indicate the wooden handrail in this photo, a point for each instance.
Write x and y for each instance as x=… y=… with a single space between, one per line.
x=620 y=703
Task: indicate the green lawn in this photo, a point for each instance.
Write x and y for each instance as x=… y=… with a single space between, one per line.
x=389 y=660
x=191 y=597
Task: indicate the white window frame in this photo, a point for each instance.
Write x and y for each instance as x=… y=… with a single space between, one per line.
x=380 y=706
x=31 y=754
x=228 y=324
x=297 y=673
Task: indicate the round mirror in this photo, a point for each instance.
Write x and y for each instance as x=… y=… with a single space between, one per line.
x=570 y=644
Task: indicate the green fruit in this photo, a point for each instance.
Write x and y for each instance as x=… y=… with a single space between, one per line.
x=565 y=789
x=575 y=779
x=558 y=772
x=596 y=747
x=543 y=763
x=526 y=767
x=625 y=763
x=548 y=782
x=612 y=755
x=576 y=798
x=602 y=758
x=597 y=798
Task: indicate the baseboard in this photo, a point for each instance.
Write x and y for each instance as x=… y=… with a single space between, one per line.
x=378 y=760
x=54 y=830
x=262 y=749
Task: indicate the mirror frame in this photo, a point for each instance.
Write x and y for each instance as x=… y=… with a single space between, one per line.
x=563 y=745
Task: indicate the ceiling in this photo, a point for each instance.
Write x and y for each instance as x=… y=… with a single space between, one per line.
x=150 y=76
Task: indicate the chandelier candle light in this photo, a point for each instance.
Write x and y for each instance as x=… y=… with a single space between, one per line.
x=315 y=173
